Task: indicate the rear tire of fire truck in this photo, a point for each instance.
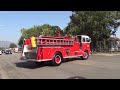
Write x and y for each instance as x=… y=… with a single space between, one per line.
x=86 y=55
x=57 y=60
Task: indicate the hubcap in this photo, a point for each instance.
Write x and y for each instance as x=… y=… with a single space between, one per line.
x=85 y=55
x=57 y=59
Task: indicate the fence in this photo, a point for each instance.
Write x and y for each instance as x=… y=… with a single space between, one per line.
x=113 y=45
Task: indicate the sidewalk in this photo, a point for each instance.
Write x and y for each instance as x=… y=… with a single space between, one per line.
x=107 y=54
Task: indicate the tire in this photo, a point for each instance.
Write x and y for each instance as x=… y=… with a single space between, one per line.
x=57 y=60
x=86 y=56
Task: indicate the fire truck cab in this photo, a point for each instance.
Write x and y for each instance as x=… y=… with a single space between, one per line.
x=56 y=49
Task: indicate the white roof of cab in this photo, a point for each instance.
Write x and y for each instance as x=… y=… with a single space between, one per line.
x=85 y=36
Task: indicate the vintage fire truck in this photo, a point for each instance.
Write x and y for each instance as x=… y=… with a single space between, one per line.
x=55 y=48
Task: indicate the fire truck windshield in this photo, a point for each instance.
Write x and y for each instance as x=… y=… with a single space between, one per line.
x=85 y=39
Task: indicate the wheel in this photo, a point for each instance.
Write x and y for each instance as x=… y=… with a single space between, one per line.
x=85 y=56
x=57 y=60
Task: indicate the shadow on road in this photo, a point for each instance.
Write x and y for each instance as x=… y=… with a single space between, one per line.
x=33 y=65
x=77 y=77
x=70 y=60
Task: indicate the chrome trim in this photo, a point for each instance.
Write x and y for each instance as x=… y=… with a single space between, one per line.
x=72 y=56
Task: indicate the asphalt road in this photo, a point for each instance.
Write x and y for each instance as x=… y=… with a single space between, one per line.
x=96 y=67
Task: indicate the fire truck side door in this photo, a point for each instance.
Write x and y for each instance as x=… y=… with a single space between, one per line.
x=85 y=43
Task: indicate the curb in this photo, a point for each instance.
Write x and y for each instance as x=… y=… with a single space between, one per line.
x=106 y=54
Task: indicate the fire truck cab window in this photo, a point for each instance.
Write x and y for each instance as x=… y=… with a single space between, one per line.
x=83 y=39
x=87 y=40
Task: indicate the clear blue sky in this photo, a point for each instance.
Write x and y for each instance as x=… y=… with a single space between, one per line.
x=12 y=21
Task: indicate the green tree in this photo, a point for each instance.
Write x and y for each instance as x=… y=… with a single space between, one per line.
x=20 y=41
x=12 y=45
x=36 y=31
x=2 y=48
x=99 y=25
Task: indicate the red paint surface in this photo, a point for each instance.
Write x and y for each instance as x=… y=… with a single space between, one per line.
x=48 y=49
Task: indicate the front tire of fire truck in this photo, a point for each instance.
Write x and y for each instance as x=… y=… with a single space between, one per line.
x=85 y=56
x=57 y=60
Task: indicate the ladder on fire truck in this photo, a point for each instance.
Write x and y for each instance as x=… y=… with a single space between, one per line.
x=54 y=41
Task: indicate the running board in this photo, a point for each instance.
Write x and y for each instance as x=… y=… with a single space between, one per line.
x=73 y=56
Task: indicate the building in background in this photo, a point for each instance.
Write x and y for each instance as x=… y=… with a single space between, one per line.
x=115 y=44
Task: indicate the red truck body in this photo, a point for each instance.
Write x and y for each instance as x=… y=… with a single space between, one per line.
x=56 y=49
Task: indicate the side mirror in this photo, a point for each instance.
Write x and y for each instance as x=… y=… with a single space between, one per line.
x=90 y=40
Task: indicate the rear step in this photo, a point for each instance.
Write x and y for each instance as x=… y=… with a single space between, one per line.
x=30 y=55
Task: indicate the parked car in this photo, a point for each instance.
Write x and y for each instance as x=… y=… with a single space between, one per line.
x=0 y=52
x=3 y=51
x=16 y=50
x=8 y=51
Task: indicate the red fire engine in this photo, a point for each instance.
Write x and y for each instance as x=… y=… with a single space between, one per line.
x=55 y=48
